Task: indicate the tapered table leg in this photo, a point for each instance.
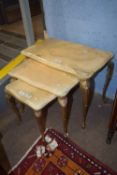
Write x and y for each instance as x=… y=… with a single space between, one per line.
x=41 y=120
x=13 y=104
x=85 y=87
x=110 y=70
x=63 y=101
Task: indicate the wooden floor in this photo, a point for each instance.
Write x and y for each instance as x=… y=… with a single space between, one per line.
x=18 y=28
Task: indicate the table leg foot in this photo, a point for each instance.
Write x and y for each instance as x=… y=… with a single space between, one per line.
x=84 y=124
x=66 y=134
x=109 y=75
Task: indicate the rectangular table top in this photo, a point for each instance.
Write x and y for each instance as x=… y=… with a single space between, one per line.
x=34 y=97
x=42 y=76
x=74 y=58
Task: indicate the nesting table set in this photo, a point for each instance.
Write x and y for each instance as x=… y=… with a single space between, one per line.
x=51 y=69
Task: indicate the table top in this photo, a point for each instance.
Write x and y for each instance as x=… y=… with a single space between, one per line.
x=42 y=76
x=74 y=58
x=34 y=97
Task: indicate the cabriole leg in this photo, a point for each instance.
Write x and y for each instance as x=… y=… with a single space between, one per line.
x=63 y=101
x=85 y=87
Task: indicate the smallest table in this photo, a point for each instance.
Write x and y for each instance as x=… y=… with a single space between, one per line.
x=37 y=99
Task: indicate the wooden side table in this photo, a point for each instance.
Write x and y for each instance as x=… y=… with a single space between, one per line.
x=113 y=121
x=37 y=99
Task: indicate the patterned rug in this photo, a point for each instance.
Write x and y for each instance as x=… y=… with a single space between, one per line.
x=66 y=159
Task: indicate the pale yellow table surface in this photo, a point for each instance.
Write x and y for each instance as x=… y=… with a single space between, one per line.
x=34 y=97
x=77 y=59
x=42 y=76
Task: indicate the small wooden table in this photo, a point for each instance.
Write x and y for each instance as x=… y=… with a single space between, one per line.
x=37 y=99
x=79 y=60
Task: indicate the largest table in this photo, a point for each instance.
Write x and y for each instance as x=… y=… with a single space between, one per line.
x=80 y=60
